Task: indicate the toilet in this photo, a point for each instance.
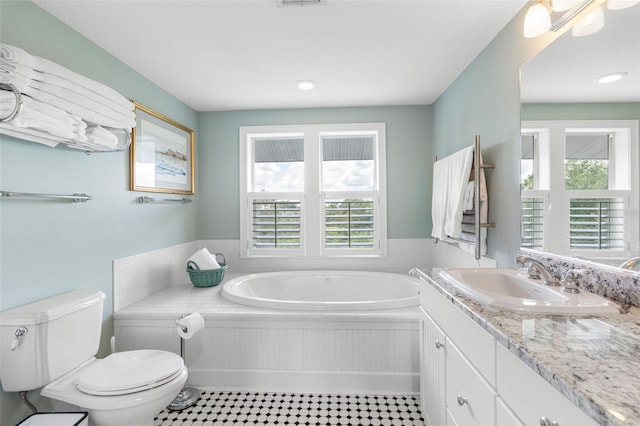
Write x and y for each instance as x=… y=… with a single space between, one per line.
x=52 y=344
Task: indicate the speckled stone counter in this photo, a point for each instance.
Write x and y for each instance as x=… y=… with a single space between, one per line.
x=592 y=360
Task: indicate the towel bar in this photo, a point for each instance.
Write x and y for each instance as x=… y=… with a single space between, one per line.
x=16 y=109
x=76 y=198
x=145 y=199
x=16 y=112
x=477 y=166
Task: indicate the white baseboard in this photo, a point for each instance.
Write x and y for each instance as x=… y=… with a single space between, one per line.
x=363 y=383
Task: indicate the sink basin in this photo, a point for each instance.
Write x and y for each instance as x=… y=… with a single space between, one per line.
x=511 y=290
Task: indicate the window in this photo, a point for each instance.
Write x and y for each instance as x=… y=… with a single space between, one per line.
x=532 y=235
x=316 y=190
x=579 y=184
x=586 y=164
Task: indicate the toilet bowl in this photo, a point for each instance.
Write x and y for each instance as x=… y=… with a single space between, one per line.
x=124 y=389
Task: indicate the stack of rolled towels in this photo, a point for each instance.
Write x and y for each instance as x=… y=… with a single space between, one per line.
x=59 y=105
x=204 y=260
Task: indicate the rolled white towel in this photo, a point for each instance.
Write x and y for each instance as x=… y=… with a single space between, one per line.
x=16 y=55
x=30 y=117
x=30 y=135
x=204 y=260
x=98 y=135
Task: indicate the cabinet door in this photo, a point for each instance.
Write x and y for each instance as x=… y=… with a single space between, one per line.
x=432 y=371
x=470 y=398
x=540 y=398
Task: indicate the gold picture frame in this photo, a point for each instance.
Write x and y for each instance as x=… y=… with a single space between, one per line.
x=161 y=155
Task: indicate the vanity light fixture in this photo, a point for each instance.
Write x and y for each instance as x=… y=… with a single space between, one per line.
x=306 y=84
x=545 y=15
x=610 y=78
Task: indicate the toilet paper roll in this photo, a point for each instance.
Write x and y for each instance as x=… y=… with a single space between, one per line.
x=204 y=259
x=190 y=325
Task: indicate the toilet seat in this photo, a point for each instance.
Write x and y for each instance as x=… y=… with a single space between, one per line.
x=128 y=372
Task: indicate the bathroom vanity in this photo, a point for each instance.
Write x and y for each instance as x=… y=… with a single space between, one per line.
x=484 y=366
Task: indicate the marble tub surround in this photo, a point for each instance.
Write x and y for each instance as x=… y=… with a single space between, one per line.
x=592 y=360
x=616 y=284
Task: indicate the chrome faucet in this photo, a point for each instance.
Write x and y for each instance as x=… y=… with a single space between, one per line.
x=631 y=264
x=536 y=270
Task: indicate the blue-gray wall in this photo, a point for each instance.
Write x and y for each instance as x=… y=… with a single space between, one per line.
x=408 y=152
x=49 y=247
x=485 y=100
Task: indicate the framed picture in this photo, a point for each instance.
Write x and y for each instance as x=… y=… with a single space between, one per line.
x=161 y=154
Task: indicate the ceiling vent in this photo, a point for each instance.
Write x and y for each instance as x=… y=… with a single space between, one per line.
x=283 y=3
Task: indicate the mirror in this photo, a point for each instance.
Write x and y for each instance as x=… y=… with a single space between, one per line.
x=559 y=88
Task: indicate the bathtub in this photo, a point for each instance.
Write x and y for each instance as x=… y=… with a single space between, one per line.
x=355 y=344
x=324 y=290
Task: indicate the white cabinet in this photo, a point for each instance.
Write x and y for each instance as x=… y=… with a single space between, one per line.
x=458 y=387
x=432 y=371
x=467 y=378
x=533 y=398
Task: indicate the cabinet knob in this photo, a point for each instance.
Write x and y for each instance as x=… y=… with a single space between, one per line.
x=546 y=422
x=462 y=401
x=439 y=344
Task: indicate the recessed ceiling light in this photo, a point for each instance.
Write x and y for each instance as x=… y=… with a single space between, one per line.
x=610 y=78
x=306 y=84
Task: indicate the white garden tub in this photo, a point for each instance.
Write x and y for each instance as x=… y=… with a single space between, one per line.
x=324 y=290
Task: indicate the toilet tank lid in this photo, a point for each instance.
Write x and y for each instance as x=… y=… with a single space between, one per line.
x=51 y=308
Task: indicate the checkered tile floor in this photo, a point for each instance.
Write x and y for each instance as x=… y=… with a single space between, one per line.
x=266 y=409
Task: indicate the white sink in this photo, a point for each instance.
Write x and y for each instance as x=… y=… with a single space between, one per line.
x=511 y=290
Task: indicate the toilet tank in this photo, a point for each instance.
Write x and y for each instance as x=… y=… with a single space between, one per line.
x=59 y=334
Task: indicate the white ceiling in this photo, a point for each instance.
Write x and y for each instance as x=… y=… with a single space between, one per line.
x=240 y=54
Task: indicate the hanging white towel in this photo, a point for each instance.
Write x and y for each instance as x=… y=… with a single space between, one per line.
x=469 y=218
x=450 y=178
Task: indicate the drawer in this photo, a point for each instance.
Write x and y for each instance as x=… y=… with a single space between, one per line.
x=470 y=399
x=540 y=399
x=472 y=339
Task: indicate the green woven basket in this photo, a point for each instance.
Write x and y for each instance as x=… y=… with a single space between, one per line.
x=209 y=277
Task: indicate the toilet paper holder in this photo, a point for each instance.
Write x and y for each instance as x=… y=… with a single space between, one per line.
x=187 y=396
x=182 y=326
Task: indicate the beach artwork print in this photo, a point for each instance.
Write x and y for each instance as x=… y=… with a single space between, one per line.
x=161 y=154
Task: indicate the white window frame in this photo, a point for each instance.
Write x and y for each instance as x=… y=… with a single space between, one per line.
x=312 y=231
x=623 y=181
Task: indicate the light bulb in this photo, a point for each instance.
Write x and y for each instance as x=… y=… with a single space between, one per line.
x=537 y=21
x=621 y=4
x=590 y=24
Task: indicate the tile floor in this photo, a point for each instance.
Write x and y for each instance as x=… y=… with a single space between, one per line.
x=266 y=409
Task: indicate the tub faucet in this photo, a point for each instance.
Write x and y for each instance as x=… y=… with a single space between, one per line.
x=536 y=270
x=631 y=264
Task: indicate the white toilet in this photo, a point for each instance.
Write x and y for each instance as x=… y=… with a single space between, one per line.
x=52 y=343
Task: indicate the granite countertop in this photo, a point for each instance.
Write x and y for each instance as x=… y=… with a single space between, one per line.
x=592 y=360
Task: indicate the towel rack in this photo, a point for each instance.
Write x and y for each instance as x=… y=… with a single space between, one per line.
x=76 y=198
x=477 y=166
x=18 y=96
x=18 y=107
x=145 y=199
